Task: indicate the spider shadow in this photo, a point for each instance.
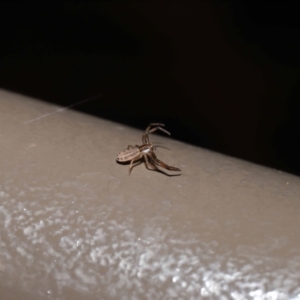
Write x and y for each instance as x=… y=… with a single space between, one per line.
x=142 y=161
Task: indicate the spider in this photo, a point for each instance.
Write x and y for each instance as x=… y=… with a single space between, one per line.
x=146 y=151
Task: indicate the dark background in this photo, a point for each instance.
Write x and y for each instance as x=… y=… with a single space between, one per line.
x=220 y=74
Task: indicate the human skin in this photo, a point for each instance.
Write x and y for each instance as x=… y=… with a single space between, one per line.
x=75 y=225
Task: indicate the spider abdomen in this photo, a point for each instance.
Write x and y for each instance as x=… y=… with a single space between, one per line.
x=128 y=155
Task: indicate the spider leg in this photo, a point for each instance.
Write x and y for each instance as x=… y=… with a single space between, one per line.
x=154 y=124
x=145 y=137
x=147 y=163
x=161 y=163
x=131 y=163
x=130 y=146
x=159 y=128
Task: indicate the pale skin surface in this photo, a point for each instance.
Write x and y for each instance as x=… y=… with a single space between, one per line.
x=74 y=225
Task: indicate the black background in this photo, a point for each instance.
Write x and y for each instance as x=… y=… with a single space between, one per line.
x=220 y=74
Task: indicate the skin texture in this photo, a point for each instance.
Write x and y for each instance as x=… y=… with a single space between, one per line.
x=74 y=225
